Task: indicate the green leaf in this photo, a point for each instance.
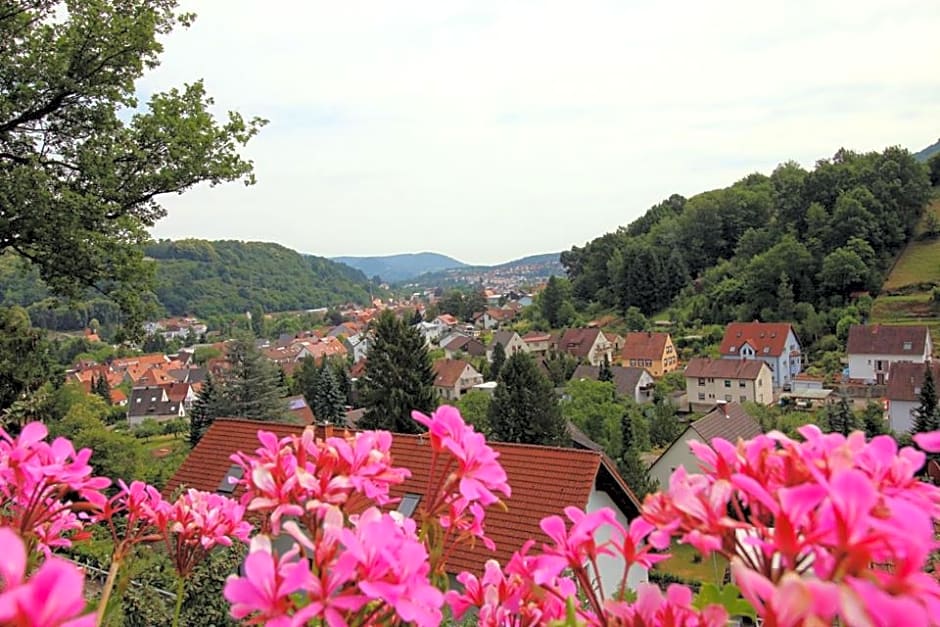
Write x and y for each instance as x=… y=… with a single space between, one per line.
x=728 y=596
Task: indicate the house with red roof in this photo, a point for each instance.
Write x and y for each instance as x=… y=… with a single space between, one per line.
x=579 y=477
x=902 y=395
x=709 y=381
x=873 y=348
x=651 y=350
x=538 y=342
x=589 y=345
x=454 y=377
x=774 y=343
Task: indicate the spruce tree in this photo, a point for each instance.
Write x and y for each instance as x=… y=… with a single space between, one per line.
x=524 y=408
x=330 y=404
x=102 y=389
x=635 y=473
x=605 y=373
x=927 y=415
x=841 y=417
x=251 y=385
x=398 y=378
x=305 y=379
x=208 y=406
x=499 y=360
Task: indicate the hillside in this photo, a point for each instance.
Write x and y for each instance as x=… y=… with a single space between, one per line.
x=928 y=152
x=526 y=270
x=394 y=268
x=796 y=245
x=200 y=277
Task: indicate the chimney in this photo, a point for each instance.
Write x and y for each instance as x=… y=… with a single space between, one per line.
x=723 y=406
x=327 y=429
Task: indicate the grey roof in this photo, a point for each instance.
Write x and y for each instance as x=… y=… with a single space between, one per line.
x=502 y=337
x=580 y=438
x=625 y=380
x=728 y=421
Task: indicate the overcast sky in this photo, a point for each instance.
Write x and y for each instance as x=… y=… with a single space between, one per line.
x=493 y=130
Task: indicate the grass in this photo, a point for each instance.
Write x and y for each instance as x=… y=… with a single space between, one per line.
x=919 y=263
x=710 y=570
x=156 y=445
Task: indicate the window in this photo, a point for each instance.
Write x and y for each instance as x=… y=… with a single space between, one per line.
x=701 y=381
x=732 y=349
x=742 y=384
x=701 y=396
x=766 y=349
x=743 y=399
x=907 y=346
x=408 y=504
x=727 y=383
x=232 y=477
x=728 y=397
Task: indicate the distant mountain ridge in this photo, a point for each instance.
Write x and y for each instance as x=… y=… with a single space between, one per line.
x=525 y=270
x=928 y=152
x=401 y=267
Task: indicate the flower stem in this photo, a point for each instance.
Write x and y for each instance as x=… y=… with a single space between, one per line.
x=180 y=585
x=108 y=588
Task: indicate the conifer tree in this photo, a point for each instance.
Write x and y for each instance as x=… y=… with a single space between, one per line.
x=635 y=473
x=102 y=389
x=499 y=360
x=873 y=420
x=524 y=408
x=605 y=373
x=841 y=417
x=398 y=378
x=927 y=414
x=329 y=402
x=251 y=386
x=208 y=406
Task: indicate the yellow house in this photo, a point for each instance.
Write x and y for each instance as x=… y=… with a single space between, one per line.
x=653 y=351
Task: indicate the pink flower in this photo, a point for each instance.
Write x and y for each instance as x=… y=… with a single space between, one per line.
x=52 y=596
x=930 y=442
x=264 y=592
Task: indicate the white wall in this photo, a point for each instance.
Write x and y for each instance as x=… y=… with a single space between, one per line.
x=678 y=454
x=612 y=567
x=899 y=415
x=863 y=366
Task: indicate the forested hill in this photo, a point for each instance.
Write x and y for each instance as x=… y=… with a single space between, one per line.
x=208 y=278
x=782 y=247
x=401 y=267
x=203 y=278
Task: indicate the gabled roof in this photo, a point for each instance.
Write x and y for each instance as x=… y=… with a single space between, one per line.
x=906 y=378
x=728 y=421
x=702 y=367
x=448 y=319
x=448 y=371
x=151 y=359
x=537 y=336
x=148 y=394
x=177 y=392
x=298 y=407
x=880 y=339
x=503 y=337
x=625 y=380
x=771 y=336
x=644 y=345
x=575 y=473
x=578 y=342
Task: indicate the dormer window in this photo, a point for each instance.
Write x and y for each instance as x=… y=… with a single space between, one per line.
x=408 y=504
x=766 y=349
x=733 y=348
x=907 y=346
x=233 y=476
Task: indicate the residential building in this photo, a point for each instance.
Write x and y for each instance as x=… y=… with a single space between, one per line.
x=709 y=381
x=511 y=342
x=581 y=478
x=589 y=345
x=652 y=350
x=873 y=348
x=454 y=377
x=635 y=383
x=728 y=421
x=493 y=317
x=152 y=403
x=358 y=346
x=463 y=345
x=432 y=331
x=538 y=343
x=773 y=343
x=902 y=396
x=297 y=406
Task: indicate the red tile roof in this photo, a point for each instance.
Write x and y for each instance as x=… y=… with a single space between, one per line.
x=535 y=495
x=906 y=378
x=448 y=371
x=578 y=342
x=177 y=392
x=537 y=336
x=879 y=339
x=724 y=368
x=644 y=345
x=760 y=335
x=151 y=359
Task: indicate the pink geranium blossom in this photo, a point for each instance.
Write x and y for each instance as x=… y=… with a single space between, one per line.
x=51 y=597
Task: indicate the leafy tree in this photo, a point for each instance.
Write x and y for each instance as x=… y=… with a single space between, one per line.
x=933 y=164
x=154 y=343
x=117 y=455
x=605 y=373
x=635 y=320
x=78 y=178
x=593 y=408
x=251 y=385
x=873 y=420
x=398 y=378
x=841 y=418
x=524 y=408
x=927 y=414
x=474 y=407
x=209 y=405
x=560 y=366
x=26 y=360
x=499 y=360
x=664 y=425
x=843 y=271
x=552 y=299
x=785 y=299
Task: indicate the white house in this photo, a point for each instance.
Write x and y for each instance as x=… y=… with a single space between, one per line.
x=902 y=396
x=510 y=341
x=873 y=348
x=709 y=381
x=432 y=331
x=773 y=343
x=635 y=383
x=358 y=345
x=454 y=377
x=728 y=421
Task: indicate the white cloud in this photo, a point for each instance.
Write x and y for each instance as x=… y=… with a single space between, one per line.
x=490 y=130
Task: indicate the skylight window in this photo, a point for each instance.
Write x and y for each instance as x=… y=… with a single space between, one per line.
x=907 y=346
x=408 y=504
x=233 y=476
